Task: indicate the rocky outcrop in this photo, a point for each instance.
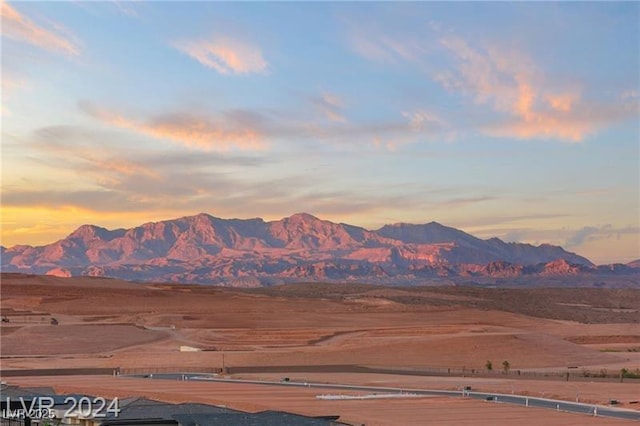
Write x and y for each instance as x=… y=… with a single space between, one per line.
x=245 y=252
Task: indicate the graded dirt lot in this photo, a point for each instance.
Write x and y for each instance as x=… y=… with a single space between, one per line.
x=331 y=329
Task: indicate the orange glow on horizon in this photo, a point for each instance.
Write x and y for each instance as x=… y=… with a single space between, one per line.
x=44 y=225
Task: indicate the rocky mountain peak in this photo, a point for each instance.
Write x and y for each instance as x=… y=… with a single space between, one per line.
x=303 y=218
x=206 y=249
x=88 y=233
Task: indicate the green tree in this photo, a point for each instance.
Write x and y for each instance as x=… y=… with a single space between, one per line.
x=489 y=365
x=623 y=373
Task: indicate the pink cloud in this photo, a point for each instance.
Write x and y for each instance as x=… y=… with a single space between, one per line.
x=421 y=120
x=490 y=76
x=511 y=83
x=20 y=28
x=189 y=130
x=226 y=55
x=562 y=102
x=331 y=106
x=123 y=167
x=571 y=125
x=542 y=126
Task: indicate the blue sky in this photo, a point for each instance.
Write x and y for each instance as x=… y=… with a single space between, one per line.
x=516 y=120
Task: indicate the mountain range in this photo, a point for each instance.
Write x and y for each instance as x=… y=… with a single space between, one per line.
x=252 y=252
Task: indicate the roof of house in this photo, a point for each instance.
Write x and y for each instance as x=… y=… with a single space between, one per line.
x=12 y=391
x=141 y=411
x=265 y=418
x=141 y=408
x=15 y=393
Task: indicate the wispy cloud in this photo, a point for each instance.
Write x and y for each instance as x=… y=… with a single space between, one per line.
x=574 y=127
x=250 y=130
x=526 y=101
x=231 y=131
x=133 y=175
x=378 y=45
x=331 y=106
x=81 y=148
x=592 y=233
x=422 y=120
x=125 y=177
x=127 y=8
x=505 y=220
x=225 y=55
x=619 y=239
x=20 y=28
x=460 y=202
x=181 y=189
x=419 y=124
x=511 y=83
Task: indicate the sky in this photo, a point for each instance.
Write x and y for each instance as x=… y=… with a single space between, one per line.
x=511 y=120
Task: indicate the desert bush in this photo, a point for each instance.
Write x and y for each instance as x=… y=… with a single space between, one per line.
x=626 y=374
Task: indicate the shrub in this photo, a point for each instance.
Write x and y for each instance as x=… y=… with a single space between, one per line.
x=626 y=374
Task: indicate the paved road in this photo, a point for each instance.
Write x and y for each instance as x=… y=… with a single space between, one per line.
x=572 y=407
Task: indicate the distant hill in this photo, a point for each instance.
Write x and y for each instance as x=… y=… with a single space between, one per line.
x=252 y=252
x=634 y=264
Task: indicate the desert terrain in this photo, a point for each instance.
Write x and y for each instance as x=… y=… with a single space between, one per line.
x=332 y=333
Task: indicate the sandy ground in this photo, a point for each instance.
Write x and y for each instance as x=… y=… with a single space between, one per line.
x=107 y=323
x=431 y=410
x=76 y=338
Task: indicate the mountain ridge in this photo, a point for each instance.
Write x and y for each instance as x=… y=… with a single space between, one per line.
x=206 y=249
